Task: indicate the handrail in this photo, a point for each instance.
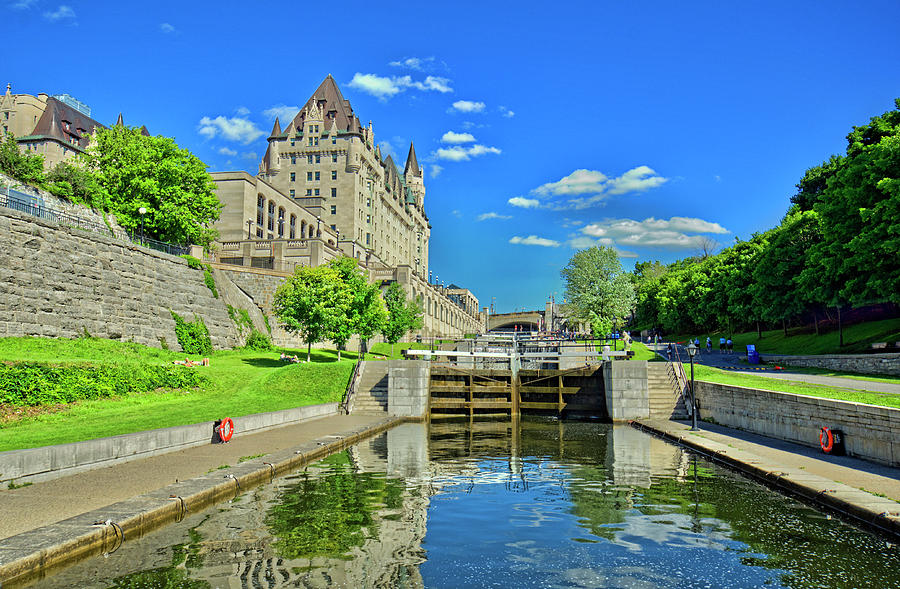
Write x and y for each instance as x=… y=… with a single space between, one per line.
x=676 y=373
x=351 y=387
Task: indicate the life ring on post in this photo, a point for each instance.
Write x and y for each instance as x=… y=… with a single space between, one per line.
x=831 y=440
x=225 y=429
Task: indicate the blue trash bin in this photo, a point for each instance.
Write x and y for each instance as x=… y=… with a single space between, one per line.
x=752 y=354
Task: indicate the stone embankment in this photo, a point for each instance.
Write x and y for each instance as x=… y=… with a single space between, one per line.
x=56 y=281
x=860 y=363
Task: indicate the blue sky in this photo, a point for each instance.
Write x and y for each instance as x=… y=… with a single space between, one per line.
x=543 y=128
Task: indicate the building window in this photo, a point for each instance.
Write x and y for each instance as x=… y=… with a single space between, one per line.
x=280 y=222
x=334 y=158
x=259 y=233
x=293 y=232
x=293 y=159
x=271 y=224
x=317 y=176
x=334 y=209
x=315 y=140
x=318 y=160
x=292 y=142
x=309 y=192
x=293 y=176
x=309 y=159
x=368 y=219
x=310 y=141
x=309 y=176
x=368 y=238
x=334 y=142
x=334 y=174
x=271 y=208
x=316 y=191
x=334 y=227
x=334 y=193
x=292 y=193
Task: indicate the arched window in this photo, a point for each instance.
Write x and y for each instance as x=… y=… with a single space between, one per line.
x=312 y=231
x=302 y=228
x=280 y=222
x=293 y=232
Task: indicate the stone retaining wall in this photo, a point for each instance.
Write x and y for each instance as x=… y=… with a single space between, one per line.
x=860 y=363
x=870 y=432
x=61 y=282
x=625 y=387
x=408 y=382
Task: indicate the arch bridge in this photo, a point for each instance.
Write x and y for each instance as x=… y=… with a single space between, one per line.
x=525 y=321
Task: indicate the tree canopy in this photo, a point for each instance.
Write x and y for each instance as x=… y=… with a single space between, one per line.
x=598 y=291
x=24 y=167
x=403 y=315
x=366 y=312
x=153 y=172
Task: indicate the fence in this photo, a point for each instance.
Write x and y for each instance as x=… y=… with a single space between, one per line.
x=34 y=206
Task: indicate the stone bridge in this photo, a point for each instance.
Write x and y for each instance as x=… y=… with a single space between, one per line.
x=525 y=321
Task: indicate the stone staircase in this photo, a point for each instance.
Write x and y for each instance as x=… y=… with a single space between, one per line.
x=372 y=392
x=665 y=402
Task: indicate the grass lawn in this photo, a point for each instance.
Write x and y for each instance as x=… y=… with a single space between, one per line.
x=857 y=338
x=710 y=374
x=642 y=352
x=382 y=351
x=241 y=382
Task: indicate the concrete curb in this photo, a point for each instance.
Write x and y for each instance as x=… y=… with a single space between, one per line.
x=870 y=510
x=33 y=555
x=49 y=462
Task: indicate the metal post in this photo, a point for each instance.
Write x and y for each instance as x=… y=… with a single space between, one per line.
x=249 y=225
x=693 y=399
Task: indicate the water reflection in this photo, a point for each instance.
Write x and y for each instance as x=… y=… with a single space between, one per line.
x=531 y=503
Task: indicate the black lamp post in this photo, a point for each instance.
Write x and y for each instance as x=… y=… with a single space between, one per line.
x=142 y=211
x=692 y=351
x=318 y=226
x=249 y=225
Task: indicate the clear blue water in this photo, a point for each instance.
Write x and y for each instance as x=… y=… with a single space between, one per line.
x=536 y=503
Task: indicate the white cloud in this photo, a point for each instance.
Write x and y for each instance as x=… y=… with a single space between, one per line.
x=436 y=170
x=468 y=106
x=387 y=149
x=534 y=240
x=578 y=182
x=524 y=203
x=583 y=242
x=228 y=152
x=233 y=129
x=452 y=137
x=250 y=155
x=461 y=154
x=598 y=185
x=506 y=112
x=22 y=4
x=242 y=110
x=62 y=13
x=677 y=233
x=456 y=213
x=413 y=63
x=639 y=179
x=492 y=215
x=470 y=125
x=383 y=87
x=166 y=28
x=284 y=113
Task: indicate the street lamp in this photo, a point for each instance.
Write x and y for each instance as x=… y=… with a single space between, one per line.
x=142 y=211
x=249 y=225
x=692 y=351
x=318 y=226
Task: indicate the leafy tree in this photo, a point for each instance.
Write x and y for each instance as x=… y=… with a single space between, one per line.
x=597 y=288
x=366 y=311
x=24 y=167
x=313 y=302
x=403 y=315
x=153 y=172
x=77 y=184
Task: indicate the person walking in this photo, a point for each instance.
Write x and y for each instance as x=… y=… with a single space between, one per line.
x=669 y=351
x=730 y=345
x=708 y=345
x=721 y=345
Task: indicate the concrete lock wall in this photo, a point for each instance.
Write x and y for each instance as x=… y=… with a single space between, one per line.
x=408 y=388
x=860 y=363
x=870 y=432
x=37 y=464
x=61 y=282
x=625 y=386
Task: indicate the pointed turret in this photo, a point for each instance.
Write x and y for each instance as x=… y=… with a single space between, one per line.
x=120 y=122
x=276 y=129
x=412 y=164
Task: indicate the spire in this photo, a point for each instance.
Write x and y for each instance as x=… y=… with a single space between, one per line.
x=9 y=88
x=412 y=165
x=276 y=130
x=120 y=122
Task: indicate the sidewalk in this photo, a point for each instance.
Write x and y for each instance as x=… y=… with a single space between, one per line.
x=732 y=362
x=37 y=505
x=866 y=491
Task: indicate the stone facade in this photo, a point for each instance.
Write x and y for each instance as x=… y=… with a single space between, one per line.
x=870 y=432
x=625 y=387
x=62 y=282
x=860 y=363
x=408 y=382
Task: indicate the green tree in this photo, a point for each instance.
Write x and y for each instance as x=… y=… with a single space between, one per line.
x=313 y=302
x=366 y=311
x=77 y=184
x=24 y=167
x=597 y=288
x=403 y=315
x=153 y=172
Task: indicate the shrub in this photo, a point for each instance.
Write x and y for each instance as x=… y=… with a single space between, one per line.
x=42 y=383
x=207 y=273
x=193 y=337
x=258 y=341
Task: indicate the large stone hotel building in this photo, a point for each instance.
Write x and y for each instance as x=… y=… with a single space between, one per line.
x=324 y=189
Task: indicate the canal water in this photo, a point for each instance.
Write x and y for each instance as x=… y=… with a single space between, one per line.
x=530 y=503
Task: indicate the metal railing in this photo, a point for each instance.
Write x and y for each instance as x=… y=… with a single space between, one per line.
x=34 y=206
x=352 y=386
x=678 y=379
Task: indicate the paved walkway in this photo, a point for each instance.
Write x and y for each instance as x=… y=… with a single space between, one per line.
x=732 y=362
x=27 y=508
x=863 y=489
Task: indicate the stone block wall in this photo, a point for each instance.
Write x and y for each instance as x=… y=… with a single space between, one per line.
x=625 y=387
x=870 y=432
x=860 y=363
x=408 y=388
x=60 y=282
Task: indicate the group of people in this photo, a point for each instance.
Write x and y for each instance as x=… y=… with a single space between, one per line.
x=285 y=358
x=725 y=345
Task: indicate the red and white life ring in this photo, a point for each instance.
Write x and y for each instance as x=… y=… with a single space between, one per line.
x=225 y=429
